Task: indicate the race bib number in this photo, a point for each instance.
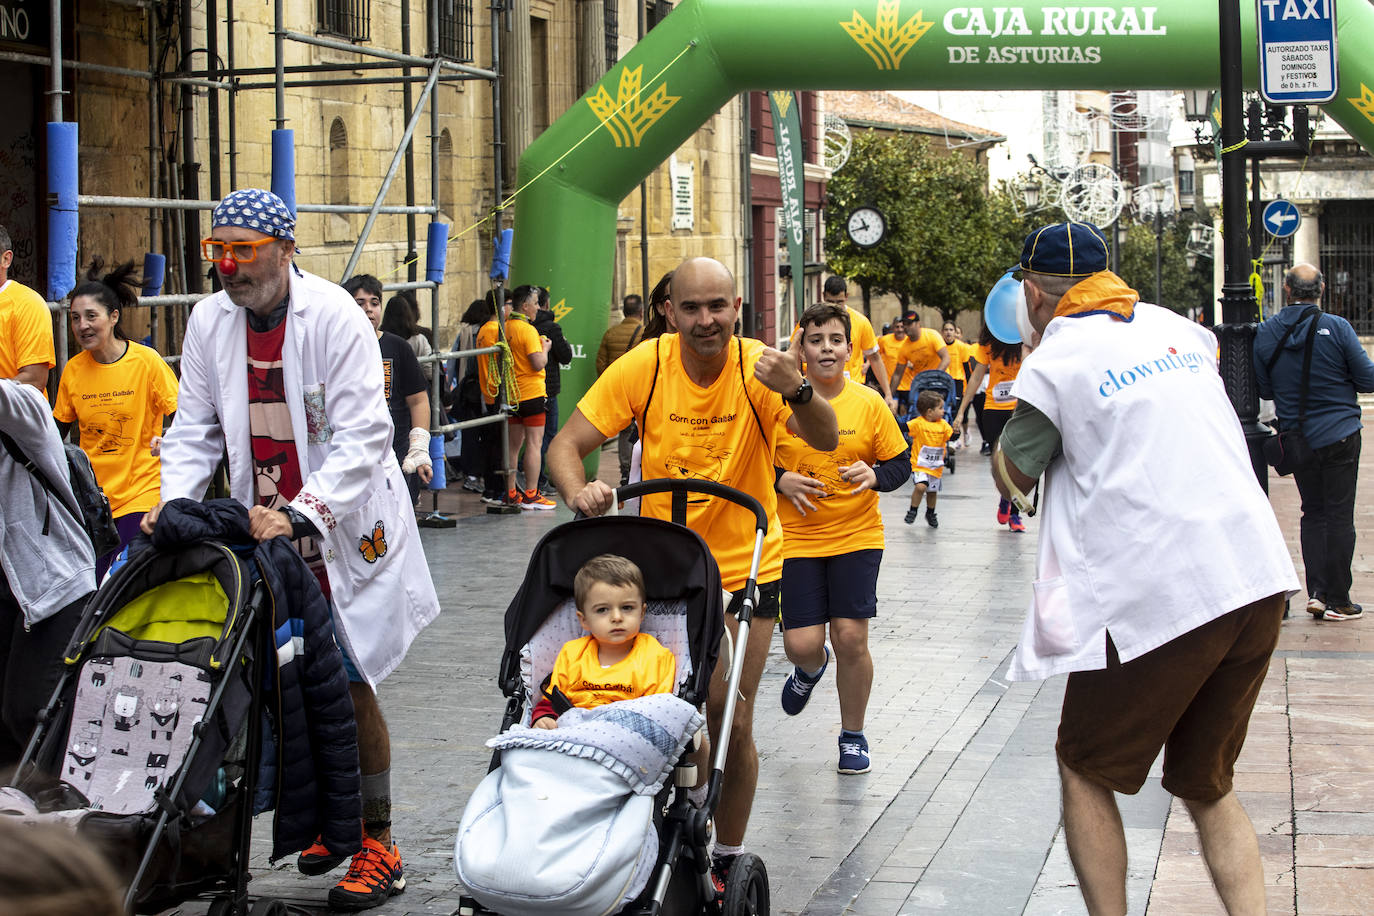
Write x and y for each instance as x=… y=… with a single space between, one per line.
x=1001 y=392
x=931 y=456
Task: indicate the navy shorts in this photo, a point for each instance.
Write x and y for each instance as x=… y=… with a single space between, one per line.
x=816 y=589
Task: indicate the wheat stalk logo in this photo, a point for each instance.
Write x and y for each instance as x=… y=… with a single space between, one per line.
x=629 y=116
x=784 y=101
x=886 y=43
x=1365 y=103
x=561 y=309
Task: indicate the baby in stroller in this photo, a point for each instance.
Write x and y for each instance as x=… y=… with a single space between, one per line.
x=614 y=661
x=599 y=814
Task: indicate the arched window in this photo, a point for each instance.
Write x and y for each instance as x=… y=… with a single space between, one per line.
x=448 y=192
x=338 y=163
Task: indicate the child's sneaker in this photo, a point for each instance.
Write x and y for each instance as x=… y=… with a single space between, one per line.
x=533 y=499
x=854 y=757
x=932 y=519
x=797 y=690
x=1003 y=511
x=1015 y=524
x=910 y=516
x=375 y=876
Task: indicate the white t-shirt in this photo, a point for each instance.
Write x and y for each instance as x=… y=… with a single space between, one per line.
x=1154 y=523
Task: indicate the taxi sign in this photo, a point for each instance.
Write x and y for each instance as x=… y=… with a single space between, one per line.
x=1297 y=51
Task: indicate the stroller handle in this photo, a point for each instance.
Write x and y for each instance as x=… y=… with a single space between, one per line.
x=708 y=487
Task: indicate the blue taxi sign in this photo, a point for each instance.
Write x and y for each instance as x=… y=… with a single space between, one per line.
x=1297 y=51
x=1281 y=218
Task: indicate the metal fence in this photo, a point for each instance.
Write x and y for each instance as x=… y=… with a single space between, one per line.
x=350 y=19
x=1347 y=247
x=454 y=21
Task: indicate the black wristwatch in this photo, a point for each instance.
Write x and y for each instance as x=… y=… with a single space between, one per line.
x=300 y=525
x=802 y=395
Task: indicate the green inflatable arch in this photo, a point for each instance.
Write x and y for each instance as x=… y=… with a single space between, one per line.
x=708 y=51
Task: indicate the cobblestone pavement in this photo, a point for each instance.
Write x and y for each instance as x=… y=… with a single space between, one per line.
x=960 y=813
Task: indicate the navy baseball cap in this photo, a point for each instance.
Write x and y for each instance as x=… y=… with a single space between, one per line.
x=1065 y=250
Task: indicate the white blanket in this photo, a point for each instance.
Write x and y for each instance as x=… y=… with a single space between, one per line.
x=640 y=740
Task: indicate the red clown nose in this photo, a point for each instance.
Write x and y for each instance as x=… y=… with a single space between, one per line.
x=227 y=267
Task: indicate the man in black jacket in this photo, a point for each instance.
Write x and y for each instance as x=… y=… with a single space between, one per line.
x=560 y=354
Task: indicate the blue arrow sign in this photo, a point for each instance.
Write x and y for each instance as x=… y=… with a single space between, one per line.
x=1281 y=219
x=1297 y=51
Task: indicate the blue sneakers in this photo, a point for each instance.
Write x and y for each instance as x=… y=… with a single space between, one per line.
x=854 y=755
x=798 y=688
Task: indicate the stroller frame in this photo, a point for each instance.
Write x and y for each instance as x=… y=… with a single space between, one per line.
x=685 y=828
x=105 y=602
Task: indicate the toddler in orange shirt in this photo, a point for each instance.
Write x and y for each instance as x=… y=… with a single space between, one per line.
x=930 y=434
x=614 y=661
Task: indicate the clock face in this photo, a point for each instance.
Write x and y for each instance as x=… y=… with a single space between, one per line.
x=866 y=227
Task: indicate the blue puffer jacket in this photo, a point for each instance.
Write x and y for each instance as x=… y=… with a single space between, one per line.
x=317 y=778
x=1340 y=368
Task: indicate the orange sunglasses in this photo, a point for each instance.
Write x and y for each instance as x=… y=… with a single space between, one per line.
x=239 y=252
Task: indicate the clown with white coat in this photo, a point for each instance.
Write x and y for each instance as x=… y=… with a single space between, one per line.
x=331 y=421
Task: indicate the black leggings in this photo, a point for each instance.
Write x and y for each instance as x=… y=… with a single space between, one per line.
x=30 y=666
x=993 y=422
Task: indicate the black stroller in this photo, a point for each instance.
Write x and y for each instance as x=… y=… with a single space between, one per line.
x=686 y=614
x=942 y=383
x=145 y=745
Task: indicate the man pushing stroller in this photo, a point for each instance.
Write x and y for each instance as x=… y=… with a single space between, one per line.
x=307 y=435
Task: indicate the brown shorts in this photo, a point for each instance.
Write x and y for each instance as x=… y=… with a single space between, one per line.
x=1195 y=695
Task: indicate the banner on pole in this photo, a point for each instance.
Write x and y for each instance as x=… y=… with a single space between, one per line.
x=787 y=137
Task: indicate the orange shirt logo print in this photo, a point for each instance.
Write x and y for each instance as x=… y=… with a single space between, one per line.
x=373 y=546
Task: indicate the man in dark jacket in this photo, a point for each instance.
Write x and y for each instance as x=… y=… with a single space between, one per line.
x=1331 y=425
x=560 y=354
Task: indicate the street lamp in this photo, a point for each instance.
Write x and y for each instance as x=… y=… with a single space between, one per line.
x=1197 y=104
x=1157 y=192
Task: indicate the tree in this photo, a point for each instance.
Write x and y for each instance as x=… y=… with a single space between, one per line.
x=1181 y=288
x=947 y=242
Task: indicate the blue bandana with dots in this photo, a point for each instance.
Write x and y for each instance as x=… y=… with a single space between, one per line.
x=254 y=208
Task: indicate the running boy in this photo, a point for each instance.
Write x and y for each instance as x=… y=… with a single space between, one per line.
x=929 y=438
x=833 y=532
x=614 y=661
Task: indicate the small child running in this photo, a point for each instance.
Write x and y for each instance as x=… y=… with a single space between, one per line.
x=614 y=661
x=929 y=438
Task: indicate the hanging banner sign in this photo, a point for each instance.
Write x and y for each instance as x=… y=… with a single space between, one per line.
x=1297 y=51
x=787 y=137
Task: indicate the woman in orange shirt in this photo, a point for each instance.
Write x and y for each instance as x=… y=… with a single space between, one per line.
x=1000 y=362
x=119 y=393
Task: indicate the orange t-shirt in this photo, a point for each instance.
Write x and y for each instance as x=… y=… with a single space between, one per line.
x=25 y=330
x=928 y=442
x=524 y=342
x=889 y=346
x=649 y=668
x=487 y=375
x=710 y=433
x=119 y=408
x=958 y=354
x=1000 y=378
x=843 y=522
x=923 y=352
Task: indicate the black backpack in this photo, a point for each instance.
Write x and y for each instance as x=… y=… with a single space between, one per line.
x=92 y=509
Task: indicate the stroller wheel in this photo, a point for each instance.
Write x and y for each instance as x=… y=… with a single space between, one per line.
x=266 y=906
x=746 y=888
x=220 y=906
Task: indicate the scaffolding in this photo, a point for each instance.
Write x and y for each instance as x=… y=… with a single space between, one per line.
x=175 y=201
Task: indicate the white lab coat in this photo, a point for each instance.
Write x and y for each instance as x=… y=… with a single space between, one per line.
x=332 y=370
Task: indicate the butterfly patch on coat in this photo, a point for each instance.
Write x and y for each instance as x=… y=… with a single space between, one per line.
x=373 y=546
